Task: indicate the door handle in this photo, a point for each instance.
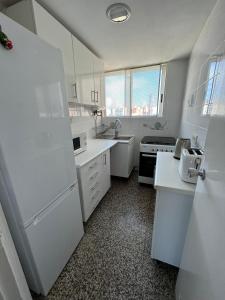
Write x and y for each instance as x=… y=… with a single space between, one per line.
x=92 y=98
x=148 y=155
x=96 y=92
x=192 y=172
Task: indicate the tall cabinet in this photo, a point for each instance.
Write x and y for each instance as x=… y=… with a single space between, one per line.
x=83 y=70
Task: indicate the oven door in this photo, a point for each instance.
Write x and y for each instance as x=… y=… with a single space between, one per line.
x=147 y=164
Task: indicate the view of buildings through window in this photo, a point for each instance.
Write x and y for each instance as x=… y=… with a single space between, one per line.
x=208 y=96
x=135 y=92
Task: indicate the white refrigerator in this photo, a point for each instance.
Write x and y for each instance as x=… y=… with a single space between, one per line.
x=38 y=182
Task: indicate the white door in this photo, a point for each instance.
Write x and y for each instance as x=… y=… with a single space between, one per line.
x=202 y=273
x=54 y=235
x=58 y=36
x=12 y=281
x=98 y=74
x=36 y=141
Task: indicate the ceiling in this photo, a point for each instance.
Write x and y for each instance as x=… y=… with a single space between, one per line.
x=157 y=31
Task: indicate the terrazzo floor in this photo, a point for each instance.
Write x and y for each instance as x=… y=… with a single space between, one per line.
x=113 y=260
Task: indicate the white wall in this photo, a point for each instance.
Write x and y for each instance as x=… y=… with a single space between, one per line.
x=174 y=92
x=209 y=42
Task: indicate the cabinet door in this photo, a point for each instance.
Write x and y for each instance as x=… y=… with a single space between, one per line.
x=49 y=29
x=98 y=76
x=84 y=72
x=105 y=172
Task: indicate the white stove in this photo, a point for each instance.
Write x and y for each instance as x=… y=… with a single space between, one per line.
x=149 y=147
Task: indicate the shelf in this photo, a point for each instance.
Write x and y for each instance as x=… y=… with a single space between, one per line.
x=72 y=103
x=90 y=106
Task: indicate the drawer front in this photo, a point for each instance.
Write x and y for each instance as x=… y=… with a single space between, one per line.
x=90 y=182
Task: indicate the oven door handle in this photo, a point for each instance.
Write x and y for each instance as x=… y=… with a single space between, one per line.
x=148 y=155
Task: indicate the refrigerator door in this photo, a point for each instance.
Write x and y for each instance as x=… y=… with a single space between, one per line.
x=54 y=235
x=35 y=135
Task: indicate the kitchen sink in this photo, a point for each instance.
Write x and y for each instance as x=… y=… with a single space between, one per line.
x=106 y=137
x=112 y=137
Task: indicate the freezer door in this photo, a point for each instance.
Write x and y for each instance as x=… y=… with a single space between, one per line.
x=53 y=237
x=35 y=136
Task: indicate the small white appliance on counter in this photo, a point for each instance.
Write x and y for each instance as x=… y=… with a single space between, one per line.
x=79 y=142
x=190 y=158
x=38 y=181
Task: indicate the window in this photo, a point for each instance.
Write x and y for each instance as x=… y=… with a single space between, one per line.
x=135 y=92
x=208 y=94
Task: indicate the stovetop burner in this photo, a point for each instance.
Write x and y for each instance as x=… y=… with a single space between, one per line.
x=158 y=140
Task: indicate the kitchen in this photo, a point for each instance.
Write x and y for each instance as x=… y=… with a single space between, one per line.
x=111 y=166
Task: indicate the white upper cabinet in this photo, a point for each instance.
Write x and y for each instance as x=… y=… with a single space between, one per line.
x=83 y=70
x=53 y=32
x=35 y=18
x=84 y=73
x=98 y=68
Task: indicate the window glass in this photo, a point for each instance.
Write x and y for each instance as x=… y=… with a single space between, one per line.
x=145 y=91
x=115 y=94
x=135 y=92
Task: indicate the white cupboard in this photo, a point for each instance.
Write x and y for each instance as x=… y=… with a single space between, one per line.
x=33 y=16
x=94 y=182
x=89 y=75
x=83 y=70
x=98 y=68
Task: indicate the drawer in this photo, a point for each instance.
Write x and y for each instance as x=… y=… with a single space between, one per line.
x=92 y=189
x=93 y=177
x=95 y=199
x=92 y=166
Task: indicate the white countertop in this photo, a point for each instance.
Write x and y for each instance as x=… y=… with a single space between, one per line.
x=94 y=148
x=167 y=176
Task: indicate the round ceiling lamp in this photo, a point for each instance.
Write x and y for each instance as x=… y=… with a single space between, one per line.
x=118 y=12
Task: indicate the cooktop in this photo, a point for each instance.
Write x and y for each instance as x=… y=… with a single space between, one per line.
x=158 y=140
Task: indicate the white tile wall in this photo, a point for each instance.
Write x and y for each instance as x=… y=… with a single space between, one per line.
x=210 y=42
x=80 y=124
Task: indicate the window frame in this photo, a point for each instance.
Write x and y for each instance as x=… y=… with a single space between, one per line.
x=128 y=90
x=209 y=103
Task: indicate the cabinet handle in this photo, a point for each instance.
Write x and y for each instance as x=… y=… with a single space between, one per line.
x=75 y=89
x=97 y=96
x=92 y=166
x=105 y=159
x=93 y=176
x=92 y=98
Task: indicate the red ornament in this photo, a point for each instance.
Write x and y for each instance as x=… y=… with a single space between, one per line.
x=9 y=45
x=6 y=43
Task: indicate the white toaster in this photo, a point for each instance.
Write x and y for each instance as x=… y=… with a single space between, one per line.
x=190 y=158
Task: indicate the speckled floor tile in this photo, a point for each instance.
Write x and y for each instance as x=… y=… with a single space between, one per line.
x=113 y=259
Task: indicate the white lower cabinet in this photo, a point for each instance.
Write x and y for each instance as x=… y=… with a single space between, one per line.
x=122 y=159
x=94 y=182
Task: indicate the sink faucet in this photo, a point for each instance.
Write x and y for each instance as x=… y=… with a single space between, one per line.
x=117 y=124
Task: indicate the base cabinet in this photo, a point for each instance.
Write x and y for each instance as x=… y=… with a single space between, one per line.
x=94 y=182
x=172 y=213
x=122 y=159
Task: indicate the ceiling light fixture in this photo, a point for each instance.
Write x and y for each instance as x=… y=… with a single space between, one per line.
x=118 y=12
